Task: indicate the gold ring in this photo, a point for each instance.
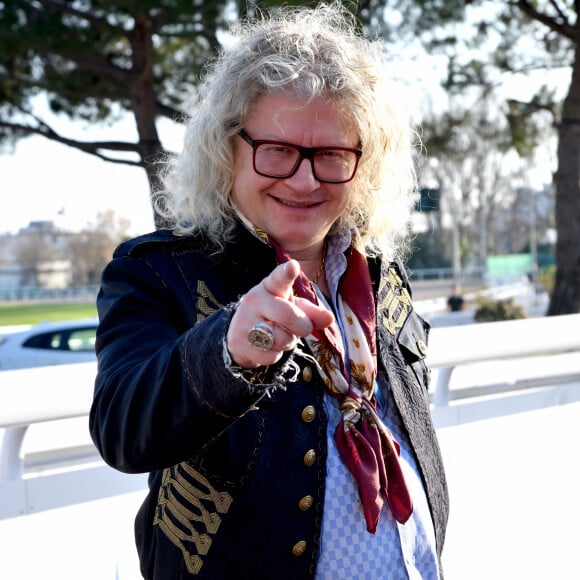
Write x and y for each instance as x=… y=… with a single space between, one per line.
x=261 y=335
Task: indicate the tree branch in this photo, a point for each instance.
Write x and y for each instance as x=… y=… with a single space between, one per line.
x=563 y=29
x=92 y=147
x=96 y=65
x=560 y=12
x=168 y=112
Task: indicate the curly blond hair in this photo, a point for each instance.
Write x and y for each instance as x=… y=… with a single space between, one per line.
x=311 y=53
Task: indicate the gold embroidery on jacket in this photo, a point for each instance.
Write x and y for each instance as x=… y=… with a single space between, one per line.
x=394 y=302
x=189 y=512
x=206 y=301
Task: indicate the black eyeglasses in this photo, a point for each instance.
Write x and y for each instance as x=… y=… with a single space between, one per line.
x=281 y=160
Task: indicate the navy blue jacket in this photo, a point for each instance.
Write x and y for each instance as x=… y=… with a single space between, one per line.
x=237 y=476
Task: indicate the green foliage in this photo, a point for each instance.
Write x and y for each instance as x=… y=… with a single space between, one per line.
x=495 y=310
x=525 y=119
x=94 y=58
x=98 y=60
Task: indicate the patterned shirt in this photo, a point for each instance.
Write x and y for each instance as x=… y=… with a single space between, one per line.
x=347 y=550
x=396 y=551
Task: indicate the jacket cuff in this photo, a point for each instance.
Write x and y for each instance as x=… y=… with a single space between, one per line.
x=263 y=378
x=220 y=386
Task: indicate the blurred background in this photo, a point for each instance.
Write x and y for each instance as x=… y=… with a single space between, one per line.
x=91 y=95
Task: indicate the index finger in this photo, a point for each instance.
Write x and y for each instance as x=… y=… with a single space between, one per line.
x=279 y=282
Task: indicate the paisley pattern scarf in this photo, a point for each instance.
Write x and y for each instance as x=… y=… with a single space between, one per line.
x=349 y=370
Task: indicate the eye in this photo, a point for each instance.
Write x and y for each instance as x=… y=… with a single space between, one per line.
x=278 y=149
x=333 y=155
x=330 y=153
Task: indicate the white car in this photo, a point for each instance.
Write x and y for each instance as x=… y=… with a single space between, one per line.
x=49 y=343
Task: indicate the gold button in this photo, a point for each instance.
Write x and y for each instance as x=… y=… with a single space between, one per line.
x=307 y=374
x=422 y=347
x=306 y=503
x=299 y=548
x=308 y=414
x=309 y=458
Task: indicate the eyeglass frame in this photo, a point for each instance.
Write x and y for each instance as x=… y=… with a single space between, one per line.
x=303 y=153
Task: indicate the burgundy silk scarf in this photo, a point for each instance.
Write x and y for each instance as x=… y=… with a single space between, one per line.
x=365 y=444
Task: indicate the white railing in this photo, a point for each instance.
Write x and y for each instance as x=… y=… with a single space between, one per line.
x=549 y=375
x=38 y=395
x=536 y=363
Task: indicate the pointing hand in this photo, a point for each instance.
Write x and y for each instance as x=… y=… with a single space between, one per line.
x=272 y=301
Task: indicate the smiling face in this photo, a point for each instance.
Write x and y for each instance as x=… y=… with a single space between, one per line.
x=296 y=211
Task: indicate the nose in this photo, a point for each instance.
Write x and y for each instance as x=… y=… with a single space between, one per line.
x=304 y=179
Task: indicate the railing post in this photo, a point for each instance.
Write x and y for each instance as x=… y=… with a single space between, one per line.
x=441 y=397
x=11 y=459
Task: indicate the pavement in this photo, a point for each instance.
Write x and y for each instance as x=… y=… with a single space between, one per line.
x=515 y=505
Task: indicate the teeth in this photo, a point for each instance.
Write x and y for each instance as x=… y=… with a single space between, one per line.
x=291 y=204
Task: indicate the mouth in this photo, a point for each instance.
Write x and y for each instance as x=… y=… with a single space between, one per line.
x=288 y=203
